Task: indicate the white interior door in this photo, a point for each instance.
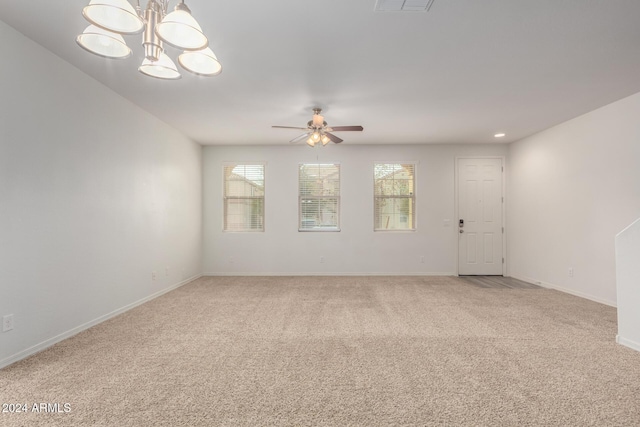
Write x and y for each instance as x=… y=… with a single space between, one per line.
x=480 y=224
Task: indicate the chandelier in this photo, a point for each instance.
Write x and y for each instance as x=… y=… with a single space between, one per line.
x=111 y=19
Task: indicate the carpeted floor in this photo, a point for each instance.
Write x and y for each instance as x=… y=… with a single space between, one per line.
x=338 y=351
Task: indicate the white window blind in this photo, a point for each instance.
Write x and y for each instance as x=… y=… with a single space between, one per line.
x=394 y=196
x=319 y=197
x=244 y=197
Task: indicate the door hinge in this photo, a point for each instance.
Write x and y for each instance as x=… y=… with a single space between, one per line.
x=502 y=168
x=502 y=230
x=503 y=260
x=502 y=199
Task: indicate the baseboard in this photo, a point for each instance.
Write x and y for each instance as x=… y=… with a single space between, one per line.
x=54 y=340
x=628 y=343
x=324 y=273
x=565 y=290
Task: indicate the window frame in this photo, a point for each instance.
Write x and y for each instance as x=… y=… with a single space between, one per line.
x=319 y=198
x=412 y=198
x=225 y=198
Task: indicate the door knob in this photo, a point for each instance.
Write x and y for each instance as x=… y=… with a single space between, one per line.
x=461 y=231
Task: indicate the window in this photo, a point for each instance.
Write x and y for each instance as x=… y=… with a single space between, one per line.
x=244 y=197
x=394 y=196
x=319 y=197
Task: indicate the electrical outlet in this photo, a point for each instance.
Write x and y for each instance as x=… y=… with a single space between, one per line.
x=7 y=323
x=321 y=260
x=422 y=259
x=166 y=271
x=231 y=261
x=153 y=276
x=570 y=271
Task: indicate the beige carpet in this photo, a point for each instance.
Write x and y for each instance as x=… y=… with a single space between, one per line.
x=338 y=351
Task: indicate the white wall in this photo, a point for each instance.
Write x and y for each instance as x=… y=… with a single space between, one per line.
x=570 y=189
x=628 y=281
x=95 y=194
x=281 y=249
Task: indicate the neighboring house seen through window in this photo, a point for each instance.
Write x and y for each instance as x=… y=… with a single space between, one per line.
x=244 y=197
x=319 y=197
x=394 y=197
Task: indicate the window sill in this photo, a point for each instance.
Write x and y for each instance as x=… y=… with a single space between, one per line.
x=409 y=230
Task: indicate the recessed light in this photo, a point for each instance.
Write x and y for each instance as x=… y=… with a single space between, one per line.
x=500 y=135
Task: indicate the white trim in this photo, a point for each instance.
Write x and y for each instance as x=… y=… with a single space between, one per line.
x=628 y=343
x=71 y=332
x=405 y=162
x=565 y=290
x=408 y=230
x=230 y=163
x=504 y=218
x=504 y=208
x=324 y=273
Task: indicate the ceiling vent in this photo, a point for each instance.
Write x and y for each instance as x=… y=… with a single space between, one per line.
x=403 y=5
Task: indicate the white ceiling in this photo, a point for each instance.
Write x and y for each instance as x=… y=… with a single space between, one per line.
x=456 y=74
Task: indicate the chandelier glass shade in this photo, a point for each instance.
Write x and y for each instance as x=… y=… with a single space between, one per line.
x=112 y=19
x=103 y=43
x=202 y=62
x=181 y=30
x=113 y=15
x=163 y=68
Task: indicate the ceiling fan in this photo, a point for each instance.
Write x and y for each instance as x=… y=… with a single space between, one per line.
x=317 y=130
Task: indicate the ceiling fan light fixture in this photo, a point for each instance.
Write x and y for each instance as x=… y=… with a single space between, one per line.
x=113 y=15
x=201 y=62
x=163 y=68
x=103 y=43
x=317 y=131
x=318 y=120
x=181 y=30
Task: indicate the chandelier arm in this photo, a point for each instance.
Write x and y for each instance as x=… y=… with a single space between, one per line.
x=139 y=10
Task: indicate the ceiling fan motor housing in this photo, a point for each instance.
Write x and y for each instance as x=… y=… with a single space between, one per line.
x=318 y=120
x=311 y=124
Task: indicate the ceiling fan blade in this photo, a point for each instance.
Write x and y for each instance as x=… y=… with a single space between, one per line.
x=343 y=128
x=299 y=138
x=288 y=127
x=334 y=138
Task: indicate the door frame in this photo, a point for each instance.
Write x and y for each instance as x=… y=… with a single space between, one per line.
x=504 y=208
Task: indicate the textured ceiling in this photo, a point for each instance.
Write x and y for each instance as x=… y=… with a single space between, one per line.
x=456 y=74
